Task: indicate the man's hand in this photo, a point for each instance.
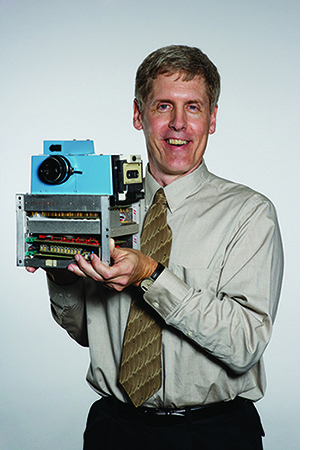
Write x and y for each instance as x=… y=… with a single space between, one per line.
x=129 y=268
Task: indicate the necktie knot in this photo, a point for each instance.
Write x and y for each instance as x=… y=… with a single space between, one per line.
x=160 y=198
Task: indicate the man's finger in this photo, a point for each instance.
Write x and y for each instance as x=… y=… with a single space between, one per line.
x=76 y=269
x=94 y=271
x=101 y=268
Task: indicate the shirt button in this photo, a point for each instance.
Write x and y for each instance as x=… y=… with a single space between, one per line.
x=156 y=305
x=190 y=333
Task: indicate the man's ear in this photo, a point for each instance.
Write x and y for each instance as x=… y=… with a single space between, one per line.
x=212 y=127
x=137 y=121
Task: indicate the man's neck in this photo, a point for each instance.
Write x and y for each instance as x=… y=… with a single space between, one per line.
x=163 y=179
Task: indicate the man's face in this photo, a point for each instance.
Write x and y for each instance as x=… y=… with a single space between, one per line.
x=176 y=121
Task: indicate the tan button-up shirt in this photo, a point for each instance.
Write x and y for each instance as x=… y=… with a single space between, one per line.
x=218 y=298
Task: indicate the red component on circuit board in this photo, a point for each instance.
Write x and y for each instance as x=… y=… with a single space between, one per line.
x=65 y=239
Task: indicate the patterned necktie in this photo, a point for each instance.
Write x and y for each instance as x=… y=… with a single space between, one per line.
x=141 y=366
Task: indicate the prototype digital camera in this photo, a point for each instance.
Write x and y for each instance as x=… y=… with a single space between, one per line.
x=78 y=201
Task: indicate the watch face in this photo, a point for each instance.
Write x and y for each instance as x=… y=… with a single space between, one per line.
x=146 y=283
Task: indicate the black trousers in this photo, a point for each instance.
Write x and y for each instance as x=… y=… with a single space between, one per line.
x=110 y=429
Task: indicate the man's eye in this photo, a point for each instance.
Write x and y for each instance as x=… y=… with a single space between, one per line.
x=193 y=108
x=163 y=107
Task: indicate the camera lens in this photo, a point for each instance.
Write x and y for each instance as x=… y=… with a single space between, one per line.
x=55 y=170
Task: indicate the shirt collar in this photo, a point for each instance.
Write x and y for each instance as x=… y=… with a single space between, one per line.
x=177 y=191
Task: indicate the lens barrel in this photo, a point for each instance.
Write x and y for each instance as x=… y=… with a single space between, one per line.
x=55 y=170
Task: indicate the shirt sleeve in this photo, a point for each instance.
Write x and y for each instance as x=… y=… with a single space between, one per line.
x=68 y=309
x=231 y=314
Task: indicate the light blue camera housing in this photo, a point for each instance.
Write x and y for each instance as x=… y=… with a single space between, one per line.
x=92 y=174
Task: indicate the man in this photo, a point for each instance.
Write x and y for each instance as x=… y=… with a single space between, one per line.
x=212 y=306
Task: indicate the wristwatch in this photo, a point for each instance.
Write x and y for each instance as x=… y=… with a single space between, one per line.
x=147 y=282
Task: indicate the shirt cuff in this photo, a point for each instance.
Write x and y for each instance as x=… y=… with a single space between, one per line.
x=167 y=293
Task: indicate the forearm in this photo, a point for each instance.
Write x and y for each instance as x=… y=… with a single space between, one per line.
x=231 y=332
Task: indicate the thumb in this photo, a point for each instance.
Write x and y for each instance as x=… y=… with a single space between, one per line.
x=113 y=250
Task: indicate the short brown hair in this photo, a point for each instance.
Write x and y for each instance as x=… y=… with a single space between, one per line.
x=182 y=59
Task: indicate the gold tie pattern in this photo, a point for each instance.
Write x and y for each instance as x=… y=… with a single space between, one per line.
x=141 y=366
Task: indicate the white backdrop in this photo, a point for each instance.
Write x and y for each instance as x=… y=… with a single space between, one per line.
x=67 y=72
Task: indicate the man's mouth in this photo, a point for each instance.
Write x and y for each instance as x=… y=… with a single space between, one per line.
x=176 y=142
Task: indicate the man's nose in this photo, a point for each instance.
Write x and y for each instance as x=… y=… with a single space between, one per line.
x=178 y=120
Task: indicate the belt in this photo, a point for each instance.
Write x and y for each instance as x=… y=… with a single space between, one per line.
x=190 y=413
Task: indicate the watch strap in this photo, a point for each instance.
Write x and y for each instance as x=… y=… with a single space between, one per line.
x=159 y=269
